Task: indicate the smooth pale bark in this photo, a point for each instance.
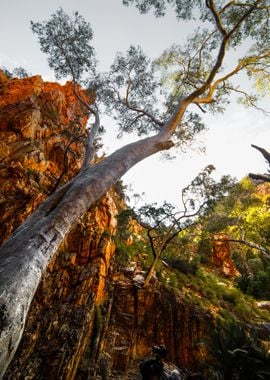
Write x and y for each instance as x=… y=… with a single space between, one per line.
x=25 y=256
x=151 y=270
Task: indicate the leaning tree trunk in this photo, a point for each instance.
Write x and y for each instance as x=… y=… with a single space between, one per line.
x=25 y=256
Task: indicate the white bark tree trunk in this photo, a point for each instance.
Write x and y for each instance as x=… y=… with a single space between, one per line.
x=25 y=256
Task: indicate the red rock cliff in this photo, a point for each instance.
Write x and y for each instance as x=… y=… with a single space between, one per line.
x=42 y=128
x=139 y=318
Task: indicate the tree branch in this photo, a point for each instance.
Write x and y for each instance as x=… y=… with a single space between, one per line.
x=211 y=6
x=249 y=100
x=226 y=6
x=245 y=15
x=260 y=177
x=168 y=239
x=222 y=49
x=264 y=251
x=248 y=5
x=264 y=152
x=142 y=112
x=241 y=65
x=90 y=149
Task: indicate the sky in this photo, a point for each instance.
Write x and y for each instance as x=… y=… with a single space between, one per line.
x=229 y=136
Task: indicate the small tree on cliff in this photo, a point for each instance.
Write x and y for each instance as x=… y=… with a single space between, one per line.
x=191 y=74
x=163 y=224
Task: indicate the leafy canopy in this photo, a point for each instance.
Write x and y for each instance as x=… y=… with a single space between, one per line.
x=197 y=199
x=130 y=92
x=165 y=222
x=188 y=66
x=133 y=95
x=67 y=42
x=18 y=72
x=184 y=9
x=144 y=96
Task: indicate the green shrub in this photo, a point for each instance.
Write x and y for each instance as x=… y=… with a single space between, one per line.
x=231 y=295
x=257 y=285
x=235 y=353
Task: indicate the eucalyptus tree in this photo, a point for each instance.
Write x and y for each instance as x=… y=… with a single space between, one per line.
x=163 y=224
x=149 y=98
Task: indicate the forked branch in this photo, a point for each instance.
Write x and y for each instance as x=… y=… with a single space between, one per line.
x=266 y=155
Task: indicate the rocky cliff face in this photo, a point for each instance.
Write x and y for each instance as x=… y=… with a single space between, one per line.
x=84 y=319
x=139 y=318
x=42 y=128
x=60 y=322
x=221 y=257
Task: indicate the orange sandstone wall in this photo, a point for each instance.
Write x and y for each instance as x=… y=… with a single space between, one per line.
x=42 y=129
x=60 y=322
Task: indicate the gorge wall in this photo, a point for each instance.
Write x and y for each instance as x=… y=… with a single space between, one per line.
x=84 y=318
x=42 y=128
x=139 y=318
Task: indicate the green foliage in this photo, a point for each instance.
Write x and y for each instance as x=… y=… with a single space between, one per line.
x=120 y=190
x=134 y=96
x=170 y=231
x=18 y=72
x=231 y=210
x=126 y=253
x=123 y=254
x=182 y=266
x=129 y=92
x=142 y=95
x=155 y=215
x=186 y=68
x=210 y=292
x=67 y=42
x=183 y=68
x=216 y=290
x=204 y=247
x=165 y=225
x=254 y=26
x=243 y=209
x=182 y=8
x=243 y=215
x=236 y=353
x=256 y=284
x=123 y=220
